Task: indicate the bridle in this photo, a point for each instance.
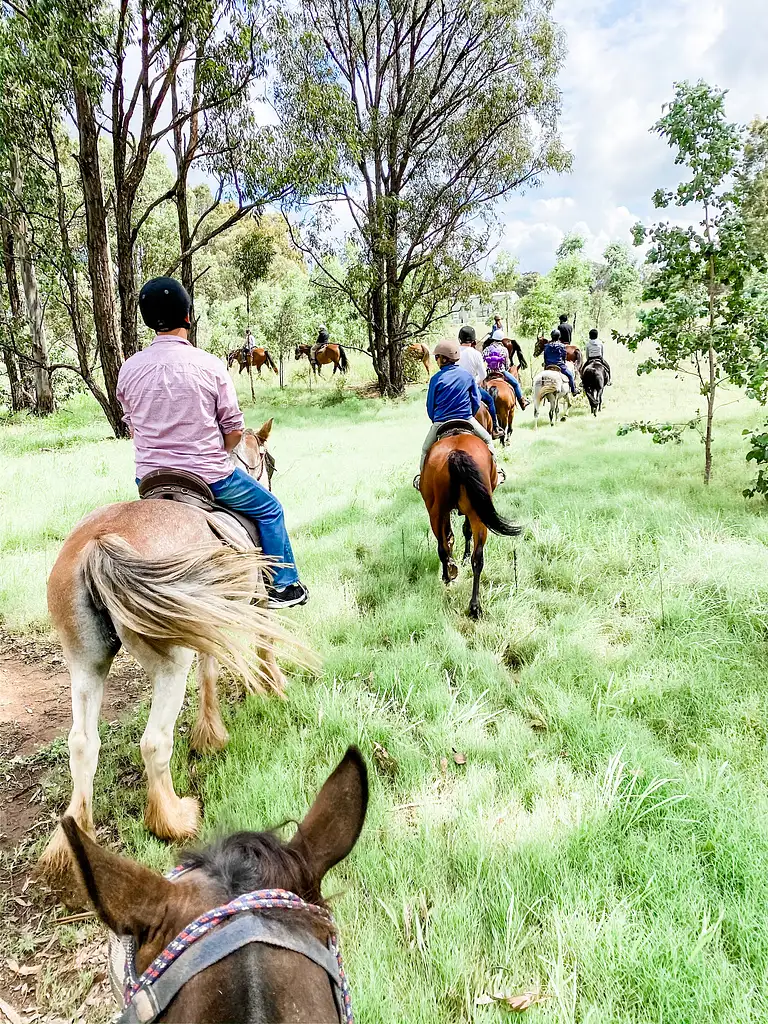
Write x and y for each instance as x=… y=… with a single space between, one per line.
x=265 y=460
x=213 y=936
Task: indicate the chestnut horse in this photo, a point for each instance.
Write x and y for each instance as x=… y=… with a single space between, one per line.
x=572 y=353
x=275 y=960
x=460 y=473
x=506 y=402
x=323 y=356
x=513 y=348
x=420 y=352
x=155 y=577
x=255 y=358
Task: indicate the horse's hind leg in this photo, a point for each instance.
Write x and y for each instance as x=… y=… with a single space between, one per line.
x=441 y=527
x=88 y=669
x=480 y=534
x=467 y=531
x=209 y=732
x=167 y=815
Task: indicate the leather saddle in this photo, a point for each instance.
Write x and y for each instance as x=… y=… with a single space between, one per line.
x=190 y=489
x=559 y=369
x=453 y=427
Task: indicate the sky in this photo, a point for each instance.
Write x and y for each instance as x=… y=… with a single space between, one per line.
x=623 y=57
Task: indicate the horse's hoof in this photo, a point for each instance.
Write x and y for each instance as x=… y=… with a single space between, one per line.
x=453 y=571
x=176 y=820
x=475 y=611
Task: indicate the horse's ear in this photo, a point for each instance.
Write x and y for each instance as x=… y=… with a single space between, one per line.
x=129 y=899
x=335 y=820
x=265 y=430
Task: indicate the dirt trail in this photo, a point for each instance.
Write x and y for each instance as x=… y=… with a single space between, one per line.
x=35 y=709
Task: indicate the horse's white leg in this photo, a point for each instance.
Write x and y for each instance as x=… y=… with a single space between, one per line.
x=209 y=732
x=535 y=409
x=167 y=815
x=87 y=676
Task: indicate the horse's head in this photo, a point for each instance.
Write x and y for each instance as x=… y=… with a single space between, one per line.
x=261 y=979
x=538 y=348
x=253 y=456
x=299 y=351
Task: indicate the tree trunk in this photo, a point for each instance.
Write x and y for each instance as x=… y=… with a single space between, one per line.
x=184 y=153
x=44 y=404
x=99 y=260
x=126 y=278
x=710 y=415
x=20 y=385
x=83 y=341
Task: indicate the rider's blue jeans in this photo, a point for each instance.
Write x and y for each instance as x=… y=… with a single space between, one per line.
x=490 y=401
x=514 y=383
x=244 y=494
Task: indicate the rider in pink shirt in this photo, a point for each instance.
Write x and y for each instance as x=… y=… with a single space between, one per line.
x=182 y=411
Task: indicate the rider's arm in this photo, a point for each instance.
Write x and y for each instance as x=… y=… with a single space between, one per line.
x=228 y=415
x=431 y=395
x=474 y=397
x=232 y=440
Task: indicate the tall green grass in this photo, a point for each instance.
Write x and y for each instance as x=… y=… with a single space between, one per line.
x=606 y=842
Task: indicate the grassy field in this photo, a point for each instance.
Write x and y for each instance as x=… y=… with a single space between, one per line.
x=606 y=842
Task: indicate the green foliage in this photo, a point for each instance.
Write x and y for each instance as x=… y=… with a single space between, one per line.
x=505 y=273
x=707 y=319
x=424 y=140
x=252 y=258
x=758 y=453
x=538 y=308
x=660 y=433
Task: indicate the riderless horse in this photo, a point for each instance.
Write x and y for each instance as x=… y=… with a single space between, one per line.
x=239 y=932
x=460 y=473
x=420 y=352
x=165 y=579
x=320 y=357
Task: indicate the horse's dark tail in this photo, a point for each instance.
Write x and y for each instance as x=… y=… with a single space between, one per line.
x=578 y=362
x=464 y=473
x=343 y=361
x=269 y=360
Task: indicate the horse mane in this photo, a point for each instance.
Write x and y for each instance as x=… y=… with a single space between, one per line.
x=247 y=861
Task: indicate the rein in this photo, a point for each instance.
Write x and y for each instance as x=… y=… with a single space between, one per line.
x=220 y=932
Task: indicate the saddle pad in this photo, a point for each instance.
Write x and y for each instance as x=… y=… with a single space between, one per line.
x=453 y=427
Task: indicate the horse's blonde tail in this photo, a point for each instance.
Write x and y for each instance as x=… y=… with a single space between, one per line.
x=198 y=599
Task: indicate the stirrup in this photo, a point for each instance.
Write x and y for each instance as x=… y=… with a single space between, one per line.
x=501 y=476
x=417 y=481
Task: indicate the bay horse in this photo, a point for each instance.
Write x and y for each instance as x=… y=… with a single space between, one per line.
x=460 y=473
x=506 y=403
x=573 y=353
x=247 y=911
x=156 y=577
x=323 y=356
x=253 y=359
x=513 y=348
x=551 y=386
x=593 y=378
x=420 y=352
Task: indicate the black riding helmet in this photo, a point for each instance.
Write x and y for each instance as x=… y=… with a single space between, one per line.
x=556 y=335
x=165 y=304
x=467 y=334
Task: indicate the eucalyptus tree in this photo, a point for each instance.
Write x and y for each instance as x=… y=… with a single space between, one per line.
x=423 y=114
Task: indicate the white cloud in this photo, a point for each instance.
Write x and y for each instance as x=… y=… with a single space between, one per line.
x=623 y=59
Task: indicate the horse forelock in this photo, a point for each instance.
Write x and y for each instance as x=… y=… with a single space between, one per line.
x=248 y=861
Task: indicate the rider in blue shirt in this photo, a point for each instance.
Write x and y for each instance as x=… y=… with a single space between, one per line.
x=555 y=355
x=452 y=395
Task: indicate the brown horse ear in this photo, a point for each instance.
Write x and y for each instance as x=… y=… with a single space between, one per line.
x=265 y=430
x=129 y=899
x=335 y=820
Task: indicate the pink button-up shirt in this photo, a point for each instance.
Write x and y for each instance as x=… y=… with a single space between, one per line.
x=179 y=402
